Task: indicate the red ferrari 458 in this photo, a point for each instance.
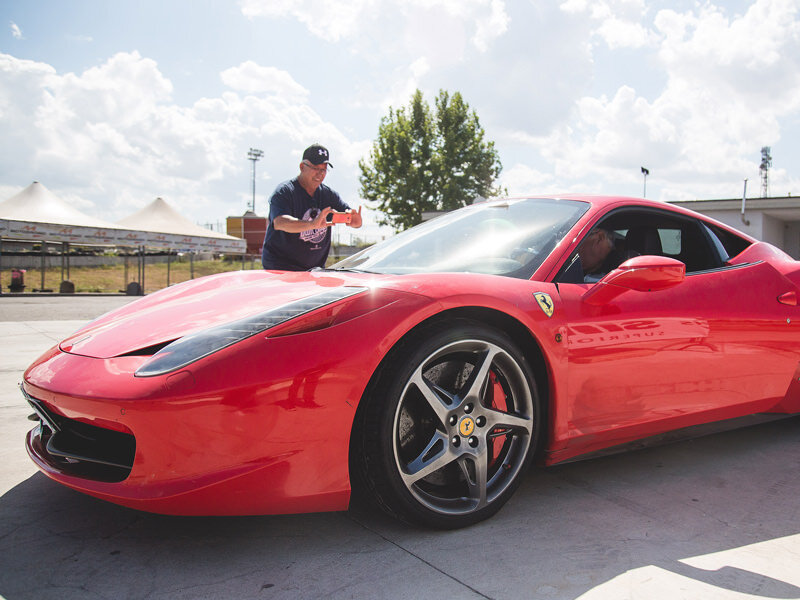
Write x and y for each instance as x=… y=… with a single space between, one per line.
x=430 y=369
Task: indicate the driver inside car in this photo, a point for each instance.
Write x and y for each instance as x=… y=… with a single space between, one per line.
x=595 y=258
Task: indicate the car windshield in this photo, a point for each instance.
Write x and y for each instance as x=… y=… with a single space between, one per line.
x=502 y=237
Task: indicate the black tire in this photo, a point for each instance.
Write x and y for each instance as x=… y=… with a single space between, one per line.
x=450 y=425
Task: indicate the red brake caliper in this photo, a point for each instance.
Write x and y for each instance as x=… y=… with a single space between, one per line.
x=498 y=403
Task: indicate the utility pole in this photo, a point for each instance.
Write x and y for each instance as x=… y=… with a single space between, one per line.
x=744 y=200
x=254 y=154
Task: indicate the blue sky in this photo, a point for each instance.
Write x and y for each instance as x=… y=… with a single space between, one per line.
x=111 y=104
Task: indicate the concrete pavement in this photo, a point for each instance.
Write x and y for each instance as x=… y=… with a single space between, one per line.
x=713 y=518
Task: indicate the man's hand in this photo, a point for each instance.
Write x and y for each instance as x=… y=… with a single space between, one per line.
x=356 y=220
x=322 y=219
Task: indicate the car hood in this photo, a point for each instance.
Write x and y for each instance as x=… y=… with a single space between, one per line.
x=172 y=313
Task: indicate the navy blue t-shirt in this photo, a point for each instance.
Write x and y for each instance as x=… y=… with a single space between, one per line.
x=298 y=251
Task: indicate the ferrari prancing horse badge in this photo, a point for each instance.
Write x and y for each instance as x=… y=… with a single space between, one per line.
x=545 y=303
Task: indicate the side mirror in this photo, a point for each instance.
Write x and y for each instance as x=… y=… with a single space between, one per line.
x=641 y=274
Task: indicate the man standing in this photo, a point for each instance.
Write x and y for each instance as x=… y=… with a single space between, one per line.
x=298 y=235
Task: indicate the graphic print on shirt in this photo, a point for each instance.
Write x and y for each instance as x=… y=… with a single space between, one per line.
x=313 y=236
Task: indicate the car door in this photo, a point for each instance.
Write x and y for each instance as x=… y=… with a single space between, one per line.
x=716 y=345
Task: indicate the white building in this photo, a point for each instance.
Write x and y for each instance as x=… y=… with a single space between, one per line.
x=772 y=220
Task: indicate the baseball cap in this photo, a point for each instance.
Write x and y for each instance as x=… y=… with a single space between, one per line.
x=316 y=155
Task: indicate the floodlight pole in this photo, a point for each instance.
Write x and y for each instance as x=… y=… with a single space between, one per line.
x=645 y=173
x=254 y=154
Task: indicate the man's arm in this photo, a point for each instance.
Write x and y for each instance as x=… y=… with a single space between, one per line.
x=290 y=224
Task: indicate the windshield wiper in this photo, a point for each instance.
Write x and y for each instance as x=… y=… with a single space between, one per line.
x=334 y=268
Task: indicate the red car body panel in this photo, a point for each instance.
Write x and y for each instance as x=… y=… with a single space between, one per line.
x=263 y=426
x=208 y=439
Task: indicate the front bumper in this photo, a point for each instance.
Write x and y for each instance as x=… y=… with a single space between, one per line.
x=80 y=449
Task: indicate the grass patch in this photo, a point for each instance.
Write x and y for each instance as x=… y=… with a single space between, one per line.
x=114 y=279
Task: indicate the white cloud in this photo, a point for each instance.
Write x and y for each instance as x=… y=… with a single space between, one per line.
x=390 y=48
x=705 y=88
x=729 y=82
x=419 y=67
x=762 y=38
x=405 y=81
x=492 y=27
x=522 y=179
x=433 y=33
x=619 y=33
x=253 y=78
x=16 y=32
x=22 y=86
x=618 y=22
x=330 y=21
x=113 y=135
x=436 y=27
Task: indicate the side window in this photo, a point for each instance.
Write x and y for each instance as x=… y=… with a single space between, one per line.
x=732 y=243
x=627 y=233
x=670 y=241
x=717 y=243
x=650 y=239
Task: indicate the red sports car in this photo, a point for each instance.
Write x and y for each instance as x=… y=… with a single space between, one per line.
x=431 y=368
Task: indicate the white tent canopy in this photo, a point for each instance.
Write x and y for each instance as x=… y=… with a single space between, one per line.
x=35 y=213
x=160 y=217
x=39 y=205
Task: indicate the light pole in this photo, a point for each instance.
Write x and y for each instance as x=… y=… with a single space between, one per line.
x=254 y=154
x=645 y=173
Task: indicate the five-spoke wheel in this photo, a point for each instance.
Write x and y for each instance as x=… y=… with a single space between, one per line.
x=450 y=428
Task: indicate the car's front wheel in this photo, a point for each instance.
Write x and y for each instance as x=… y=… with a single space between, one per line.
x=450 y=425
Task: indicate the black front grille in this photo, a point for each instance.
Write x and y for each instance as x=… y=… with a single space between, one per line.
x=80 y=449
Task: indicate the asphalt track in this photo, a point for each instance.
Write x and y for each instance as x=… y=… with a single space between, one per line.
x=713 y=518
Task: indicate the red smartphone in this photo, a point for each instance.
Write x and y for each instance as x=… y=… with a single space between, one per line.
x=339 y=217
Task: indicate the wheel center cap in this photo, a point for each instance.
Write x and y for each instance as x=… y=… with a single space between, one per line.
x=466 y=426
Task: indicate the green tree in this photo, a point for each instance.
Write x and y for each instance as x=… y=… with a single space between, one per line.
x=428 y=160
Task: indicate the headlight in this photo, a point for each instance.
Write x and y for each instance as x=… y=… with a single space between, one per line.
x=193 y=347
